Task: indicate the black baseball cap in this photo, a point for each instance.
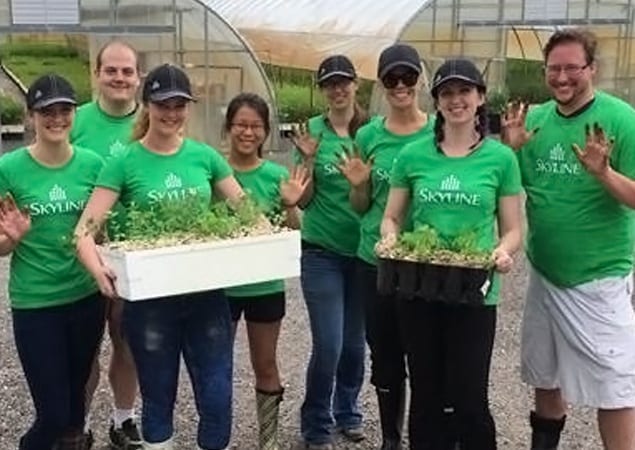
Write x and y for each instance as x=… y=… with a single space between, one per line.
x=49 y=90
x=398 y=55
x=336 y=65
x=457 y=69
x=164 y=82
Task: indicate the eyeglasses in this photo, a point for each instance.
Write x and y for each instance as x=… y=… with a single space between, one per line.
x=335 y=82
x=573 y=70
x=242 y=127
x=408 y=78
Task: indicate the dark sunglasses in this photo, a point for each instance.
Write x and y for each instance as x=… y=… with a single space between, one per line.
x=408 y=78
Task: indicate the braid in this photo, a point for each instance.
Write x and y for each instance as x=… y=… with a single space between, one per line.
x=438 y=128
x=482 y=122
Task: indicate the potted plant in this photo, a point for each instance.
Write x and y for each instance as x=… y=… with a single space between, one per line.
x=497 y=101
x=420 y=265
x=180 y=247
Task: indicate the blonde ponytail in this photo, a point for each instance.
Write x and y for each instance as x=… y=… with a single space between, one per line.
x=141 y=125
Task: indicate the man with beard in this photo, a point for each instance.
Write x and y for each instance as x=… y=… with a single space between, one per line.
x=577 y=159
x=105 y=125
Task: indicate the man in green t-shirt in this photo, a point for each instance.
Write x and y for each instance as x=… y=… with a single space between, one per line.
x=105 y=126
x=578 y=164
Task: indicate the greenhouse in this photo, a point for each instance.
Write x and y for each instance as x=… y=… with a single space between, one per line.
x=185 y=32
x=300 y=33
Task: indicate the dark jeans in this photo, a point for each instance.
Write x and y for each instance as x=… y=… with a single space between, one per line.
x=387 y=354
x=336 y=369
x=449 y=350
x=56 y=346
x=198 y=326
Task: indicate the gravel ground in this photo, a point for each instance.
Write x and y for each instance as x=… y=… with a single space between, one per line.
x=510 y=399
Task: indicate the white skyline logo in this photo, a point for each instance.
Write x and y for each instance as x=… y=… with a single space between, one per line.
x=57 y=194
x=173 y=182
x=450 y=183
x=116 y=147
x=557 y=153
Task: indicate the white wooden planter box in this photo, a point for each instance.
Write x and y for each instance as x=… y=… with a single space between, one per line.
x=146 y=274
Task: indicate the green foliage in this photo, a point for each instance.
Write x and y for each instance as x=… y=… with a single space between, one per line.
x=425 y=245
x=526 y=81
x=11 y=111
x=497 y=100
x=30 y=60
x=187 y=220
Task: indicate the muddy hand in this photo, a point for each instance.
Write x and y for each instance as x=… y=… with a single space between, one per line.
x=14 y=223
x=513 y=131
x=596 y=152
x=356 y=171
x=304 y=142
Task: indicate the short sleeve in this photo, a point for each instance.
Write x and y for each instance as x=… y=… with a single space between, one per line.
x=5 y=185
x=219 y=168
x=113 y=175
x=624 y=147
x=510 y=183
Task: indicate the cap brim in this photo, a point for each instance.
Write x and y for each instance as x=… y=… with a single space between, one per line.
x=455 y=77
x=389 y=67
x=53 y=101
x=163 y=96
x=337 y=73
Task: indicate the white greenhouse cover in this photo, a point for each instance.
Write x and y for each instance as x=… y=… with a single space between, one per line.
x=300 y=33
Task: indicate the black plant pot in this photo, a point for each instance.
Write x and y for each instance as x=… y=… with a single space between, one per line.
x=432 y=282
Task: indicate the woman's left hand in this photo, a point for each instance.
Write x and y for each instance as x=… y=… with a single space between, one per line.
x=503 y=261
x=291 y=190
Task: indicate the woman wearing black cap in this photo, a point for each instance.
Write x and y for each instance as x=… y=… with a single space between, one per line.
x=159 y=164
x=368 y=169
x=58 y=313
x=457 y=183
x=330 y=235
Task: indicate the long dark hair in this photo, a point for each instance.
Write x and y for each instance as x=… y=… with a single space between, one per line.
x=253 y=101
x=359 y=119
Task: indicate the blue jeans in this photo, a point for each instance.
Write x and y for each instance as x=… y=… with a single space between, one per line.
x=336 y=368
x=57 y=346
x=199 y=327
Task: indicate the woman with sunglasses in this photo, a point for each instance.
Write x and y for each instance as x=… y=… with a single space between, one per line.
x=57 y=311
x=162 y=163
x=455 y=181
x=367 y=169
x=330 y=236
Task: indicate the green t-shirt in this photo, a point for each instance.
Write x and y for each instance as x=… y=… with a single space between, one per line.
x=44 y=268
x=374 y=139
x=94 y=129
x=144 y=178
x=329 y=219
x=456 y=195
x=263 y=185
x=577 y=231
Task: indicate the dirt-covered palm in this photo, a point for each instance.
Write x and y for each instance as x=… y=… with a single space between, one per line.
x=291 y=190
x=513 y=131
x=304 y=142
x=14 y=223
x=596 y=152
x=354 y=169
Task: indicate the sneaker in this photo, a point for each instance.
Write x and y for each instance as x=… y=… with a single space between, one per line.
x=127 y=437
x=353 y=434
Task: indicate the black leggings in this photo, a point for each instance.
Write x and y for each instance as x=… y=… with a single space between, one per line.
x=449 y=350
x=56 y=346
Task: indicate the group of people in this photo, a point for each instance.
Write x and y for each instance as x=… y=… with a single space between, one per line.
x=357 y=182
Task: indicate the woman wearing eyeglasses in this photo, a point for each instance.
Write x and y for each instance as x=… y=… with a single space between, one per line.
x=330 y=236
x=57 y=311
x=263 y=304
x=367 y=169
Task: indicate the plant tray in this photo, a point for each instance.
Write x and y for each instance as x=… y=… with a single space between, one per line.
x=433 y=282
x=159 y=272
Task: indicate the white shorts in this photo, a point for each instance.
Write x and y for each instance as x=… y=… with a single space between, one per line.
x=581 y=340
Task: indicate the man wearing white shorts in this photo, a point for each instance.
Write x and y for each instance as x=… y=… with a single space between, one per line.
x=577 y=158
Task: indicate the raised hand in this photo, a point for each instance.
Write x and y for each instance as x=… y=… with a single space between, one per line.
x=304 y=142
x=14 y=223
x=596 y=152
x=502 y=260
x=356 y=171
x=291 y=190
x=513 y=131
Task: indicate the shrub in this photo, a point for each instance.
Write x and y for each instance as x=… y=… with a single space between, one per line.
x=11 y=111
